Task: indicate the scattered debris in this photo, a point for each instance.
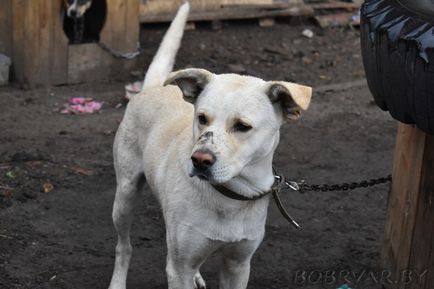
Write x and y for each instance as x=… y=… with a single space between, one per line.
x=307 y=33
x=10 y=174
x=82 y=171
x=324 y=77
x=335 y=20
x=237 y=68
x=79 y=105
x=132 y=89
x=47 y=187
x=306 y=60
x=5 y=236
x=26 y=180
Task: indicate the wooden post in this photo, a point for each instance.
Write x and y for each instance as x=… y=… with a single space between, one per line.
x=408 y=249
x=6 y=28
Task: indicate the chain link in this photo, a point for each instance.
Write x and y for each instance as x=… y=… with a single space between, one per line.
x=304 y=187
x=117 y=54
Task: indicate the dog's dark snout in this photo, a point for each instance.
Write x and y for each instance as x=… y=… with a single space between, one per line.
x=72 y=13
x=203 y=160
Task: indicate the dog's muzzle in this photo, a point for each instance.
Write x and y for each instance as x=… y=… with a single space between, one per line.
x=202 y=160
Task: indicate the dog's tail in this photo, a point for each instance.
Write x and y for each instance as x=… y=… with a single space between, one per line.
x=163 y=61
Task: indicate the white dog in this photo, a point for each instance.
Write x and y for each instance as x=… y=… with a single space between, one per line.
x=204 y=143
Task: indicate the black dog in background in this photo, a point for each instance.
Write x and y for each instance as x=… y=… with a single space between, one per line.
x=83 y=20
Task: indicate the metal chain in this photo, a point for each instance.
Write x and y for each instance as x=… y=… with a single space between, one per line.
x=304 y=187
x=117 y=54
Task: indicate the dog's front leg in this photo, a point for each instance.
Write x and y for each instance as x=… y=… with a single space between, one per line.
x=186 y=251
x=235 y=267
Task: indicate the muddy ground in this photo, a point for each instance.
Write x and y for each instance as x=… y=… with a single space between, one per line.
x=64 y=238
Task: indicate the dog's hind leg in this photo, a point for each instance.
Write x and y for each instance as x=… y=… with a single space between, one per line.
x=130 y=180
x=126 y=194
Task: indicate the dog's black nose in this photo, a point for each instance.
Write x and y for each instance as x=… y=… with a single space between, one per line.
x=72 y=13
x=203 y=159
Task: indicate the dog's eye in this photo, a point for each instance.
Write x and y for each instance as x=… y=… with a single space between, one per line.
x=202 y=119
x=242 y=127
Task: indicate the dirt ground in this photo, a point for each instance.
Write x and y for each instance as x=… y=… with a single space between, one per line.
x=64 y=238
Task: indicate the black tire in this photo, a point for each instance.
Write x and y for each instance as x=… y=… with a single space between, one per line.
x=397 y=40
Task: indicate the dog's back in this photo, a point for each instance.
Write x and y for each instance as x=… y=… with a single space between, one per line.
x=158 y=112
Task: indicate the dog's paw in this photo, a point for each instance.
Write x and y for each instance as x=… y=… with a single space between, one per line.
x=199 y=283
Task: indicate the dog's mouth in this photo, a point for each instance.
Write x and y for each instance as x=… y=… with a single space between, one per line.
x=203 y=175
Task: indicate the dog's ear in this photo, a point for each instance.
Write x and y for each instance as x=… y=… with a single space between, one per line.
x=291 y=97
x=191 y=81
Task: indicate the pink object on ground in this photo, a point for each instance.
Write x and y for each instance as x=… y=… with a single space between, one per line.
x=77 y=105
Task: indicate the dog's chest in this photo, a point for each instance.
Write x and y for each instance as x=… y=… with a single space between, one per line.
x=218 y=221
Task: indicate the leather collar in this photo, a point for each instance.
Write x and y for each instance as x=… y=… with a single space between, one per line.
x=238 y=197
x=278 y=185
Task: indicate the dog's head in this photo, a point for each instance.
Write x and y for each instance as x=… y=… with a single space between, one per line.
x=237 y=120
x=77 y=8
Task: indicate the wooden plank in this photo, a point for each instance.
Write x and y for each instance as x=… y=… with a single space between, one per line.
x=113 y=33
x=271 y=6
x=422 y=249
x=228 y=13
x=240 y=2
x=117 y=15
x=87 y=62
x=132 y=26
x=59 y=65
x=6 y=27
x=132 y=32
x=261 y=4
x=156 y=7
x=335 y=5
x=31 y=36
x=404 y=201
x=245 y=2
x=110 y=32
x=44 y=58
x=31 y=49
x=335 y=19
x=18 y=45
x=152 y=8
